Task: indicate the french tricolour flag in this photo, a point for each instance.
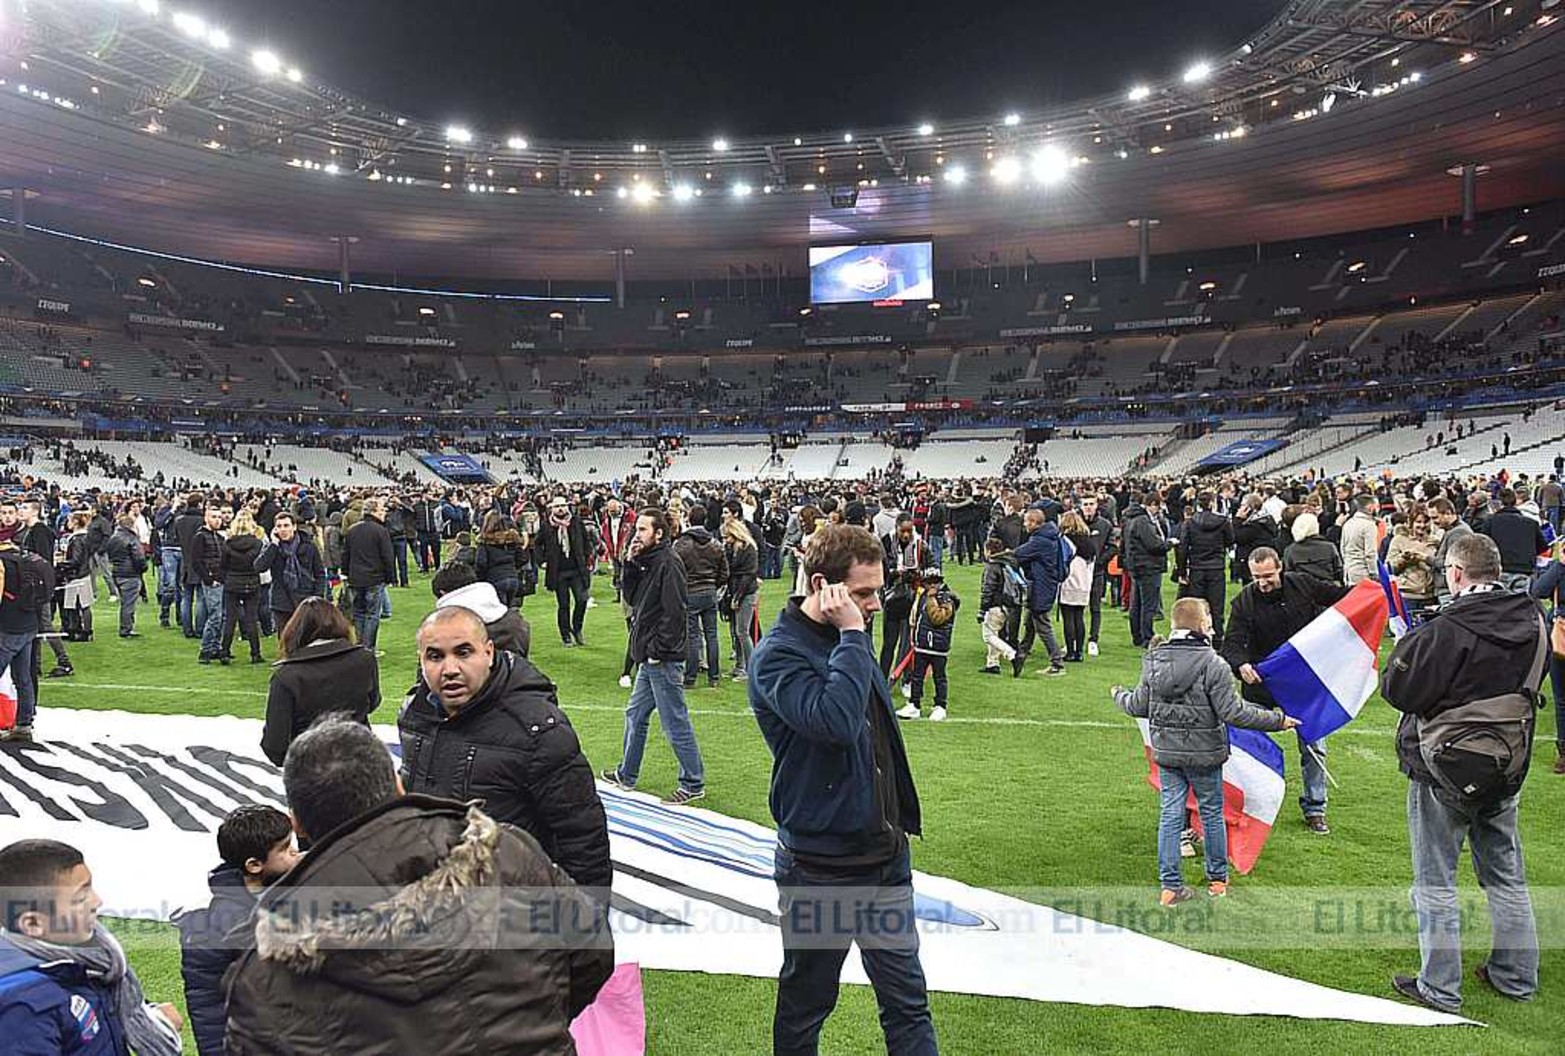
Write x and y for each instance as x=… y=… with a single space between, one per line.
x=1323 y=675
x=1252 y=791
x=7 y=700
x=1396 y=608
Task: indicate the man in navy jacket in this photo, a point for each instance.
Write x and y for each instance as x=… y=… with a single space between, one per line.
x=1042 y=560
x=843 y=798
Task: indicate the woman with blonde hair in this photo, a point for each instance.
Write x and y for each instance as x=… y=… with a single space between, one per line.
x=1076 y=590
x=743 y=588
x=241 y=586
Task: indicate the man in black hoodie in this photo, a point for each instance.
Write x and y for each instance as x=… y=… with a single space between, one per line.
x=1484 y=643
x=706 y=569
x=1519 y=538
x=655 y=585
x=1202 y=558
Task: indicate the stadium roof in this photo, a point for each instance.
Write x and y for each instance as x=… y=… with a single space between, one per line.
x=142 y=124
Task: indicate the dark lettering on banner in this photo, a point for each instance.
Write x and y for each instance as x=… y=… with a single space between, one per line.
x=114 y=809
x=733 y=905
x=158 y=788
x=50 y=807
x=190 y=771
x=226 y=763
x=645 y=914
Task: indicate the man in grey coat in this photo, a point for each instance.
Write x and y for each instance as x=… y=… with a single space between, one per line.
x=1443 y=512
x=1187 y=697
x=1360 y=542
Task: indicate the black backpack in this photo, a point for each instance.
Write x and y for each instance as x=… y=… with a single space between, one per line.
x=29 y=580
x=1480 y=751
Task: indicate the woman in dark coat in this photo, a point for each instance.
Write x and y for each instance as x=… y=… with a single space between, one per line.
x=500 y=557
x=321 y=669
x=241 y=587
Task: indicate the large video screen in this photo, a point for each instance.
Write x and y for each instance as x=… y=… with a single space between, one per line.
x=901 y=271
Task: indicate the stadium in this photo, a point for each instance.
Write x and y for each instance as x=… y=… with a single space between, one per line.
x=1316 y=275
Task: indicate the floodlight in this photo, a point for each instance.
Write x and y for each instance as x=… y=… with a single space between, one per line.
x=683 y=192
x=516 y=143
x=265 y=61
x=1049 y=166
x=1007 y=170
x=1012 y=120
x=1140 y=92
x=719 y=144
x=956 y=174
x=1198 y=73
x=926 y=129
x=459 y=134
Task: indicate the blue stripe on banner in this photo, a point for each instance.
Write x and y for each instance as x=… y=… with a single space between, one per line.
x=1257 y=746
x=1295 y=686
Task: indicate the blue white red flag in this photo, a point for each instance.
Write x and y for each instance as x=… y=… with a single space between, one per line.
x=1323 y=675
x=1252 y=791
x=1396 y=608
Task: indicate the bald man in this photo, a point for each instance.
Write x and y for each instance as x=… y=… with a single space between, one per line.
x=483 y=723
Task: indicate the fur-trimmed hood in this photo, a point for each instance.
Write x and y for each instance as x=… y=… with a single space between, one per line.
x=400 y=903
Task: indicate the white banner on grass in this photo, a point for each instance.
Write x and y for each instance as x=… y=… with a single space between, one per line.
x=142 y=795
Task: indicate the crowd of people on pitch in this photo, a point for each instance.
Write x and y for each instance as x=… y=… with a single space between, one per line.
x=1465 y=553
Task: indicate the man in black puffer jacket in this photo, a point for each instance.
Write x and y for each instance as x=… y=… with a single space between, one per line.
x=1520 y=539
x=126 y=565
x=486 y=724
x=706 y=569
x=1202 y=558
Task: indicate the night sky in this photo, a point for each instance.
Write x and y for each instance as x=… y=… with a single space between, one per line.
x=636 y=70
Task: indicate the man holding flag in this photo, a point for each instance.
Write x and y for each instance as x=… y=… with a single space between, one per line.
x=1269 y=611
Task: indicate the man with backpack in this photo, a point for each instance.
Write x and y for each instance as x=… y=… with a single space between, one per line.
x=26 y=590
x=1466 y=682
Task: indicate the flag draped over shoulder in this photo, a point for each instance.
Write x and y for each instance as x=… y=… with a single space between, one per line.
x=1252 y=791
x=1323 y=675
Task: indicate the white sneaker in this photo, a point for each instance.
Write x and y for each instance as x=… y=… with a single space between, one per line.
x=908 y=711
x=624 y=681
x=938 y=715
x=592 y=603
x=907 y=691
x=1092 y=648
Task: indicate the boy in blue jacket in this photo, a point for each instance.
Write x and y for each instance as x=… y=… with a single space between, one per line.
x=256 y=845
x=65 y=986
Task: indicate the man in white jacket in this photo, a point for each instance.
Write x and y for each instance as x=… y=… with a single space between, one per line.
x=1360 y=542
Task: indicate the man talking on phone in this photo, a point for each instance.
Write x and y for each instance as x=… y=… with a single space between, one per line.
x=843 y=798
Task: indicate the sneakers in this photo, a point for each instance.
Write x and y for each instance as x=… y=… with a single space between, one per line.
x=17 y=735
x=1316 y=823
x=613 y=777
x=996 y=671
x=1217 y=888
x=1408 y=987
x=1174 y=897
x=739 y=676
x=1054 y=669
x=576 y=635
x=909 y=711
x=907 y=691
x=1092 y=648
x=62 y=671
x=624 y=682
x=681 y=796
x=937 y=715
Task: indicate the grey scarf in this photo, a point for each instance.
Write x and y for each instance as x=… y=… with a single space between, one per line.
x=103 y=960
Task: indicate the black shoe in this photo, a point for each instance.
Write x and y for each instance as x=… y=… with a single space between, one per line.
x=130 y=634
x=1017 y=665
x=225 y=660
x=688 y=685
x=257 y=658
x=567 y=643
x=62 y=671
x=1408 y=987
x=988 y=670
x=164 y=623
x=205 y=659
x=579 y=639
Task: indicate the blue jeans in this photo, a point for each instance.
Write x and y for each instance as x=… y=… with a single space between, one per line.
x=701 y=625
x=367 y=614
x=660 y=686
x=399 y=550
x=1145 y=601
x=937 y=549
x=1312 y=764
x=16 y=651
x=823 y=913
x=209 y=618
x=428 y=551
x=385 y=602
x=170 y=560
x=1207 y=784
x=1437 y=826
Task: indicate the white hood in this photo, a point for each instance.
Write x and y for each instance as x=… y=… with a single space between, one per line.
x=479 y=597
